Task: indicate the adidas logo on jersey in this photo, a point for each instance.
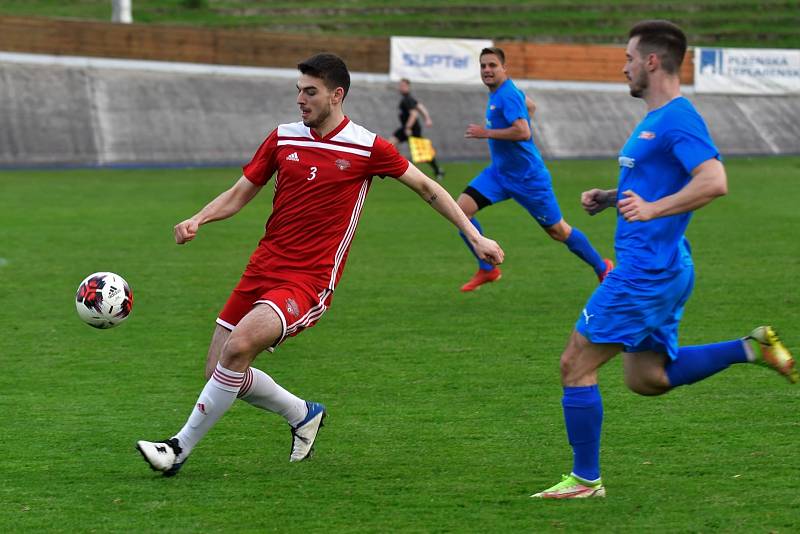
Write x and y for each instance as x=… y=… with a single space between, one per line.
x=293 y=157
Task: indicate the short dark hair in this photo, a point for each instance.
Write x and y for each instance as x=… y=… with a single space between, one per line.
x=663 y=38
x=496 y=51
x=405 y=80
x=329 y=68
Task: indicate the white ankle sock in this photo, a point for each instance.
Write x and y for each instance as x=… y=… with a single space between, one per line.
x=263 y=392
x=748 y=349
x=215 y=399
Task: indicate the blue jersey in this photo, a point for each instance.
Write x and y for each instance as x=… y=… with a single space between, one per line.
x=512 y=159
x=657 y=161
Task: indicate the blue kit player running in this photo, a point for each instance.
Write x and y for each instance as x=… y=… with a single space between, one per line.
x=517 y=170
x=668 y=167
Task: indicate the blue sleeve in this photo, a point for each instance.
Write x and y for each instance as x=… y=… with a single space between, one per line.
x=514 y=106
x=691 y=143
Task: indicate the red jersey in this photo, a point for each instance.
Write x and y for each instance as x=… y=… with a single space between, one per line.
x=320 y=188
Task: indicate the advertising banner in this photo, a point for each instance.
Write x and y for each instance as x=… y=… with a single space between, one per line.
x=747 y=71
x=436 y=60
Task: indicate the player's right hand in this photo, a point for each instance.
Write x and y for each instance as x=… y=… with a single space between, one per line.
x=185 y=231
x=488 y=250
x=594 y=201
x=476 y=131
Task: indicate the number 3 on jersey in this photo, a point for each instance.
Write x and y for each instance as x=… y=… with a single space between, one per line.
x=313 y=173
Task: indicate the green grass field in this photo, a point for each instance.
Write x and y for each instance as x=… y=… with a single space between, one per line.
x=444 y=407
x=748 y=23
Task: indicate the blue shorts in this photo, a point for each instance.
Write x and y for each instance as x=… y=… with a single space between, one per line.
x=642 y=315
x=535 y=194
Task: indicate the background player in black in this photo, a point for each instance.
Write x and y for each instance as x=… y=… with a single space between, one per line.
x=410 y=112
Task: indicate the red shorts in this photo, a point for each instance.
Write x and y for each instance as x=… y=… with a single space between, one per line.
x=295 y=302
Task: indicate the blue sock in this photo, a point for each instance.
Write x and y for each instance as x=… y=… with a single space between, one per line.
x=701 y=361
x=583 y=415
x=578 y=244
x=484 y=266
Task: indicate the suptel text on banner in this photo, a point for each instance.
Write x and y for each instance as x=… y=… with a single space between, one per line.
x=436 y=60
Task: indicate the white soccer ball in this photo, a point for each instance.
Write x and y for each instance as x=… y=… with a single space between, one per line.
x=104 y=300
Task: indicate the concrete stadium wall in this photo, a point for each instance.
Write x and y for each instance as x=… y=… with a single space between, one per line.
x=83 y=115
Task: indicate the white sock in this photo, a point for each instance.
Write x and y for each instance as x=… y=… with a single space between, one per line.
x=215 y=399
x=260 y=390
x=748 y=350
x=587 y=482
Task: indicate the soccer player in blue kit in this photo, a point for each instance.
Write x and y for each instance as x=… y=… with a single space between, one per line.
x=517 y=170
x=668 y=167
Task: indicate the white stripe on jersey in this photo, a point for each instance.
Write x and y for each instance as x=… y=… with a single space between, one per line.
x=352 y=134
x=355 y=135
x=325 y=146
x=351 y=230
x=294 y=129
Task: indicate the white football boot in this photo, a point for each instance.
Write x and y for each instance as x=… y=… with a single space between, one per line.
x=161 y=455
x=304 y=434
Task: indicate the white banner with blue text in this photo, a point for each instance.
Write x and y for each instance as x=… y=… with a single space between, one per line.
x=747 y=71
x=436 y=60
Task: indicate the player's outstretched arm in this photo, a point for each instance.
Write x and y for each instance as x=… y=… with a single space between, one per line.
x=225 y=205
x=440 y=200
x=708 y=182
x=596 y=200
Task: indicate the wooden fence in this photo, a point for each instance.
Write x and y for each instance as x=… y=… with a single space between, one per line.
x=189 y=44
x=257 y=48
x=592 y=63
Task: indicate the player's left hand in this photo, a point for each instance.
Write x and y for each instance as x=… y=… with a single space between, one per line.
x=476 y=131
x=488 y=250
x=185 y=231
x=635 y=208
x=596 y=200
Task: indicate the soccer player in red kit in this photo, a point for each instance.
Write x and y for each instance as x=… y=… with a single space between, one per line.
x=324 y=166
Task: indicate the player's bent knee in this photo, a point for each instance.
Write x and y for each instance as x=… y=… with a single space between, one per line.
x=218 y=339
x=565 y=365
x=648 y=386
x=238 y=353
x=559 y=231
x=571 y=370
